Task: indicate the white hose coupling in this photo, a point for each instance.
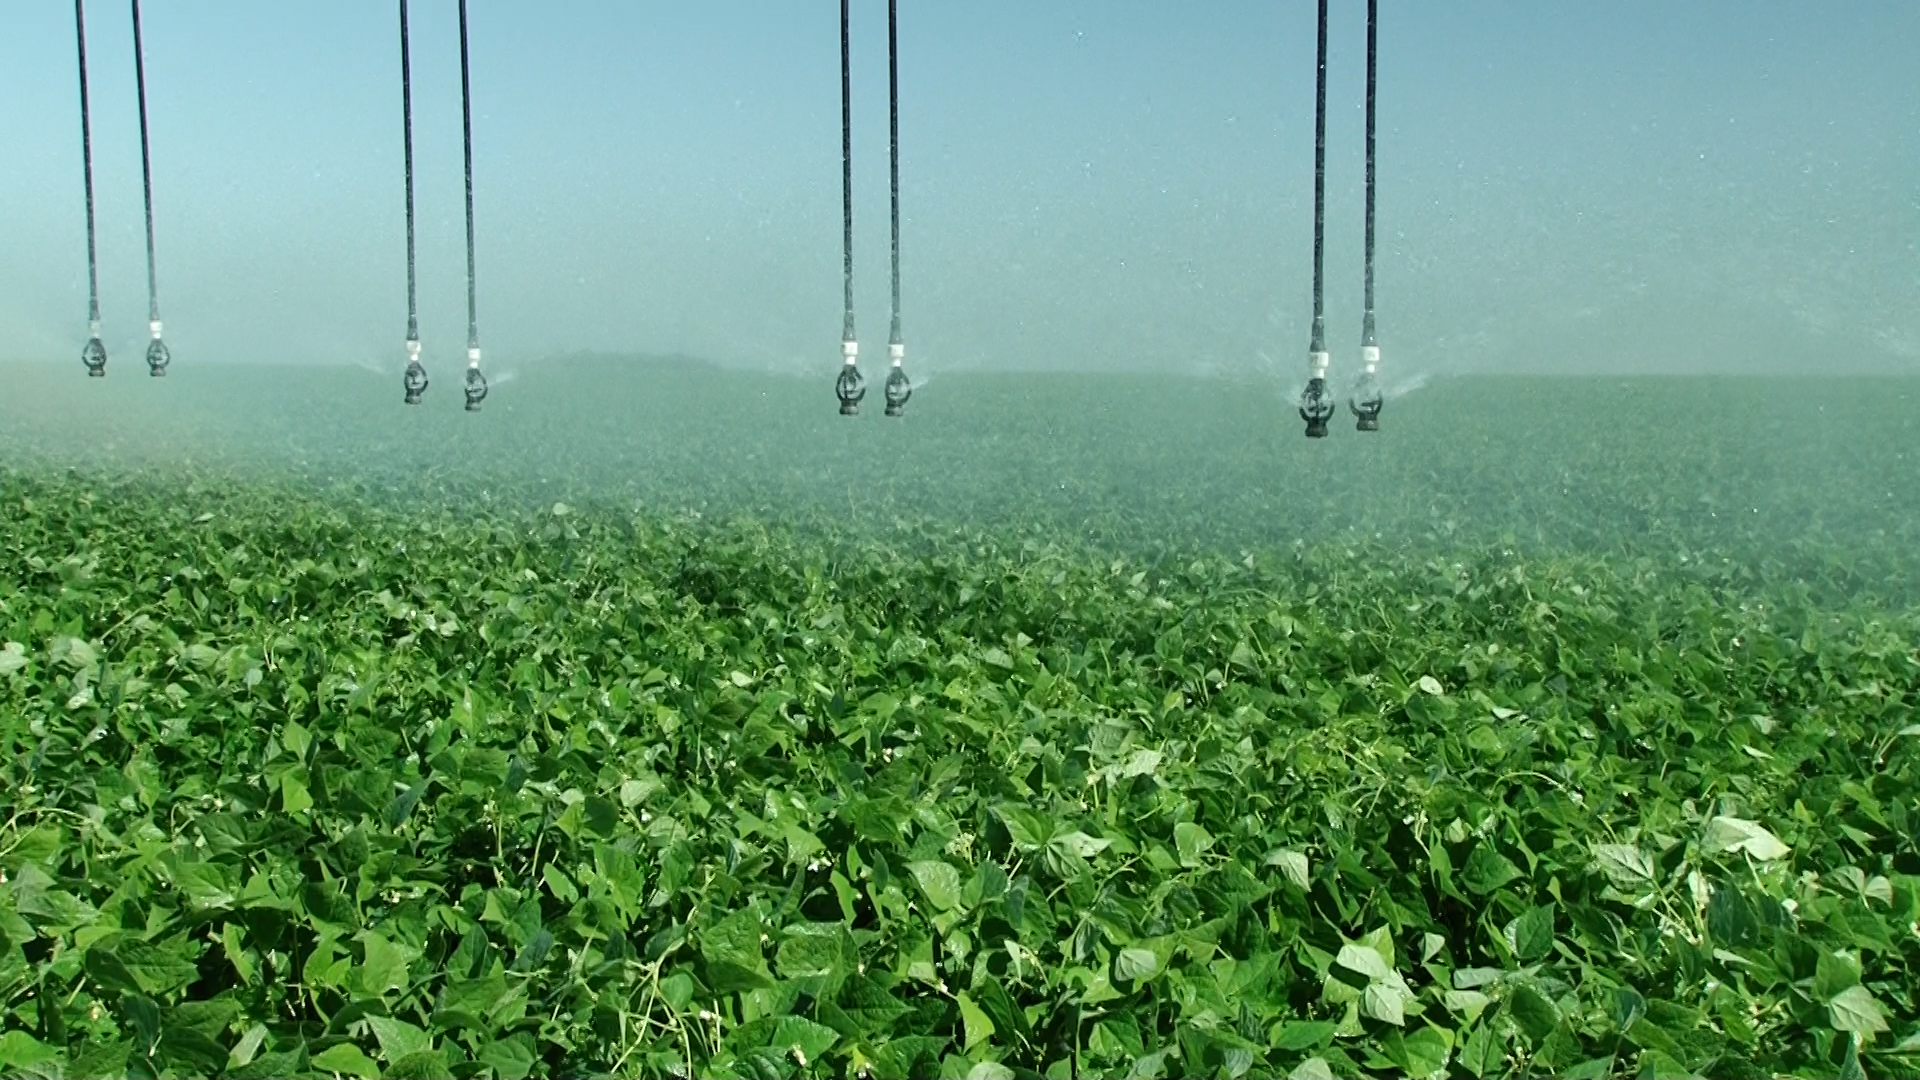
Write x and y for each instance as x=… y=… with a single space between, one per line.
x=1317 y=363
x=155 y=327
x=1370 y=356
x=898 y=352
x=94 y=328
x=850 y=350
x=413 y=350
x=473 y=357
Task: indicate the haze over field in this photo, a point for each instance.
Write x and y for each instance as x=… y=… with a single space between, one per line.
x=1637 y=186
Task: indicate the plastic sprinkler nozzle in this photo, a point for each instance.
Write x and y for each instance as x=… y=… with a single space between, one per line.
x=94 y=354
x=899 y=388
x=850 y=388
x=1316 y=404
x=416 y=377
x=476 y=382
x=1368 y=398
x=157 y=355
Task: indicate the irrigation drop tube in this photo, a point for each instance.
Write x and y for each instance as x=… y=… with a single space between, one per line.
x=94 y=354
x=1317 y=402
x=850 y=388
x=414 y=381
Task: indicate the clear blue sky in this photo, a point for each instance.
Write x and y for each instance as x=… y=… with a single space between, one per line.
x=1630 y=184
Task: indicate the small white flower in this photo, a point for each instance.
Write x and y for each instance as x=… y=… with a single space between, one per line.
x=705 y=1015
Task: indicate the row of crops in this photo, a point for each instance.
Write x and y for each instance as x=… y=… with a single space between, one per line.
x=302 y=784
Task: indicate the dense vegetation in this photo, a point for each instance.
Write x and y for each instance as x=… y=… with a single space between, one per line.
x=298 y=780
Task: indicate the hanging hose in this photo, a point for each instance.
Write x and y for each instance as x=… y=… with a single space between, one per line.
x=1367 y=398
x=94 y=355
x=415 y=380
x=1316 y=405
x=157 y=355
x=849 y=387
x=476 y=382
x=898 y=388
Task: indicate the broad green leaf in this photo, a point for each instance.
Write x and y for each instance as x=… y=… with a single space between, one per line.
x=1427 y=1051
x=1192 y=842
x=1855 y=1009
x=1625 y=865
x=1531 y=935
x=1466 y=1004
x=511 y=1059
x=810 y=1039
x=1028 y=829
x=1364 y=960
x=1834 y=973
x=384 y=968
x=19 y=1050
x=977 y=1027
x=1536 y=1015
x=1082 y=846
x=1136 y=965
x=398 y=1038
x=1487 y=870
x=243 y=1051
x=1726 y=834
x=348 y=1060
x=1301 y=1034
x=1292 y=866
x=940 y=881
x=1314 y=1068
x=1385 y=1002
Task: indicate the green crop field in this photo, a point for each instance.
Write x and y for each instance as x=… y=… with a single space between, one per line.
x=660 y=722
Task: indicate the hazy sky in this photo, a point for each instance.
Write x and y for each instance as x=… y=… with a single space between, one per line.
x=1603 y=185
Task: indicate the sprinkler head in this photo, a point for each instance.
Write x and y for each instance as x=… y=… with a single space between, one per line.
x=1316 y=407
x=1367 y=400
x=476 y=388
x=899 y=388
x=158 y=358
x=850 y=388
x=415 y=382
x=94 y=356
